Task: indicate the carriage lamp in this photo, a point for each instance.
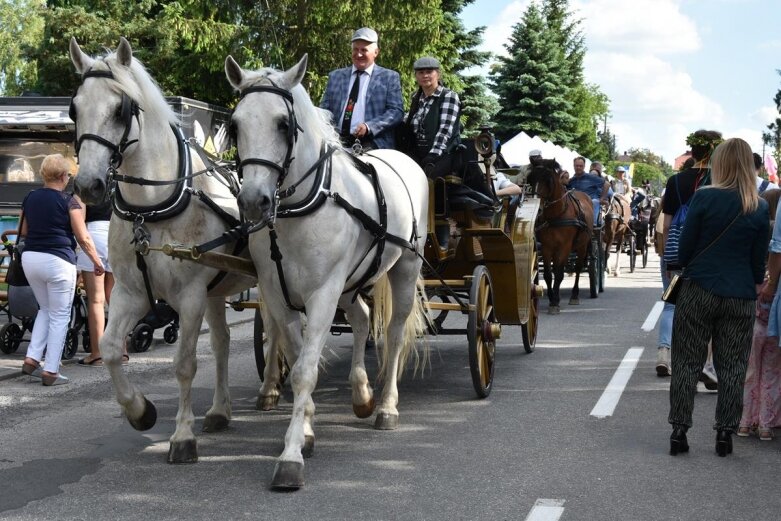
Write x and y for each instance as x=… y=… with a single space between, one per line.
x=484 y=142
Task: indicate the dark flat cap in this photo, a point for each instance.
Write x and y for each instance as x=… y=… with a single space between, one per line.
x=426 y=62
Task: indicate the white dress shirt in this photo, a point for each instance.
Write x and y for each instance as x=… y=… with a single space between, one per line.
x=360 y=104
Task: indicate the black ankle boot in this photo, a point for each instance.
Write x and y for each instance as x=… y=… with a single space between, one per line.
x=723 y=443
x=678 y=441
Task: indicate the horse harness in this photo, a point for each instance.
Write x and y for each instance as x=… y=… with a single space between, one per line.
x=568 y=197
x=172 y=206
x=320 y=192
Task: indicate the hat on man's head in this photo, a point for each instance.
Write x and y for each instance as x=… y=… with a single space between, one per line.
x=426 y=62
x=620 y=169
x=365 y=33
x=535 y=152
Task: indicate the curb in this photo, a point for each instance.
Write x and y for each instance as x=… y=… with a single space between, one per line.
x=7 y=374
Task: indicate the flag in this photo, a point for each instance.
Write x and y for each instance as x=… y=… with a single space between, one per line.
x=771 y=168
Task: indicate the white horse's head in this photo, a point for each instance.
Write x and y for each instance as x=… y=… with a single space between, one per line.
x=275 y=123
x=115 y=102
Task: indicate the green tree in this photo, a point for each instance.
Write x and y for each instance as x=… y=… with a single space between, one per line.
x=591 y=107
x=532 y=85
x=22 y=25
x=772 y=137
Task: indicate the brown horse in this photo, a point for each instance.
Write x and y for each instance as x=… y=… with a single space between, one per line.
x=564 y=226
x=616 y=228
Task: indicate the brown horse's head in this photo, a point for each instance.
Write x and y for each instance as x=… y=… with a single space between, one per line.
x=545 y=179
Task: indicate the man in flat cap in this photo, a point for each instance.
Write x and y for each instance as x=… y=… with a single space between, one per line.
x=365 y=99
x=535 y=158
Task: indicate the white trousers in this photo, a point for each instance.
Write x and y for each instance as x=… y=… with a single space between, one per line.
x=53 y=281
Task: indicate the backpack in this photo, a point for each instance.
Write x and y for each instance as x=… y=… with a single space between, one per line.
x=674 y=233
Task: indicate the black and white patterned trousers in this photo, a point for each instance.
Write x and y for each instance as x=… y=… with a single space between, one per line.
x=701 y=316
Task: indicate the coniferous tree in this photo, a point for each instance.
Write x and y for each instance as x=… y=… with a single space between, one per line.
x=532 y=85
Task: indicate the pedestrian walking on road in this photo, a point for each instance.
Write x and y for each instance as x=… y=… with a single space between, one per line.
x=51 y=218
x=762 y=390
x=722 y=250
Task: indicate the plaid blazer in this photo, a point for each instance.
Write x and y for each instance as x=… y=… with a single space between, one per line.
x=384 y=106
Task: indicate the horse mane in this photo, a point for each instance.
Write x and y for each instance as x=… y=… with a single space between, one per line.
x=310 y=117
x=139 y=85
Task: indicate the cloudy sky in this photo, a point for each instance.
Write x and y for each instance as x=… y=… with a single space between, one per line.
x=669 y=66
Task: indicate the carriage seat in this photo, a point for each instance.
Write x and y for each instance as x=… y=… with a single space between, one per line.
x=462 y=197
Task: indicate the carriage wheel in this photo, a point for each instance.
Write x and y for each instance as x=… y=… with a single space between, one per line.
x=594 y=268
x=529 y=329
x=10 y=338
x=645 y=255
x=141 y=338
x=481 y=332
x=85 y=340
x=71 y=344
x=602 y=261
x=260 y=351
x=632 y=253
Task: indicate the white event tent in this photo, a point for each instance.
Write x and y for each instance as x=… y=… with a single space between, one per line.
x=516 y=151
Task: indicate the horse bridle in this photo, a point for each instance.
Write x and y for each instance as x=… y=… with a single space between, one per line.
x=129 y=109
x=292 y=133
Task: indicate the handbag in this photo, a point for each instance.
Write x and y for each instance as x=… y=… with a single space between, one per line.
x=15 y=275
x=670 y=295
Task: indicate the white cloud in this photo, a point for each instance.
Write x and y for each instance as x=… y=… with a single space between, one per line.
x=498 y=33
x=751 y=135
x=649 y=26
x=765 y=115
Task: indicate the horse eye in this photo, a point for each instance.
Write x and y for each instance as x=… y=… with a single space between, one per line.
x=118 y=112
x=282 y=126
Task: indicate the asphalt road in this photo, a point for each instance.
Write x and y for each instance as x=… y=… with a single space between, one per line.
x=66 y=452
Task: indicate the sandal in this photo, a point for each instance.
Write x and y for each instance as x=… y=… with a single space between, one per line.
x=95 y=362
x=31 y=370
x=744 y=432
x=50 y=380
x=765 y=434
x=125 y=359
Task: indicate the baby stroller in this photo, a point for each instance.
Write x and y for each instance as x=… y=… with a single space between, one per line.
x=140 y=338
x=23 y=307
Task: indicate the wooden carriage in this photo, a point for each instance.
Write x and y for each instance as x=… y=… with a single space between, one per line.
x=489 y=269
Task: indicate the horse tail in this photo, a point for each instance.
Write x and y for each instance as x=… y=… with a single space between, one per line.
x=415 y=326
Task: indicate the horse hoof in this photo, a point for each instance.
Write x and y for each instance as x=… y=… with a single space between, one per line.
x=554 y=310
x=574 y=302
x=147 y=420
x=267 y=403
x=288 y=475
x=215 y=423
x=309 y=447
x=183 y=452
x=386 y=422
x=365 y=410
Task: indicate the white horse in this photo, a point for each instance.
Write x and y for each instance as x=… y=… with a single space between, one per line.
x=295 y=177
x=126 y=134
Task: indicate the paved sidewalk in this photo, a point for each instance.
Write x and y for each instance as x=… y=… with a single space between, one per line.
x=11 y=365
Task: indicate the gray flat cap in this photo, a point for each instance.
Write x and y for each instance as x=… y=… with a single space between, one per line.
x=365 y=33
x=426 y=62
x=620 y=169
x=535 y=152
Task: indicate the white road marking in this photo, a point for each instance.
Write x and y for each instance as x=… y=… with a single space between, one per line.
x=609 y=399
x=653 y=316
x=546 y=510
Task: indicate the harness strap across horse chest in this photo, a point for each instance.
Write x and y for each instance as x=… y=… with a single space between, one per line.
x=579 y=222
x=317 y=197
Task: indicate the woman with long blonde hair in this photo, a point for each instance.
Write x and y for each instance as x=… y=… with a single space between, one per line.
x=723 y=248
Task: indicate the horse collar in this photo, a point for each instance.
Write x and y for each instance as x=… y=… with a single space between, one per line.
x=173 y=205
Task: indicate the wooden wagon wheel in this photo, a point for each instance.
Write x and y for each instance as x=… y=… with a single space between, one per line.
x=529 y=328
x=482 y=329
x=632 y=253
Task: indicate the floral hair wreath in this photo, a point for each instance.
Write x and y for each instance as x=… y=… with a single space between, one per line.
x=694 y=140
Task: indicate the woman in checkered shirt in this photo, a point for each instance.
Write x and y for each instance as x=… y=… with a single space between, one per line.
x=433 y=119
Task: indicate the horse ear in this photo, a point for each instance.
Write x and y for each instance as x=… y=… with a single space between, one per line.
x=295 y=74
x=124 y=52
x=81 y=61
x=234 y=72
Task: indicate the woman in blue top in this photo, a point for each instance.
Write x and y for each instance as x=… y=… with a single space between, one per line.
x=722 y=248
x=50 y=219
